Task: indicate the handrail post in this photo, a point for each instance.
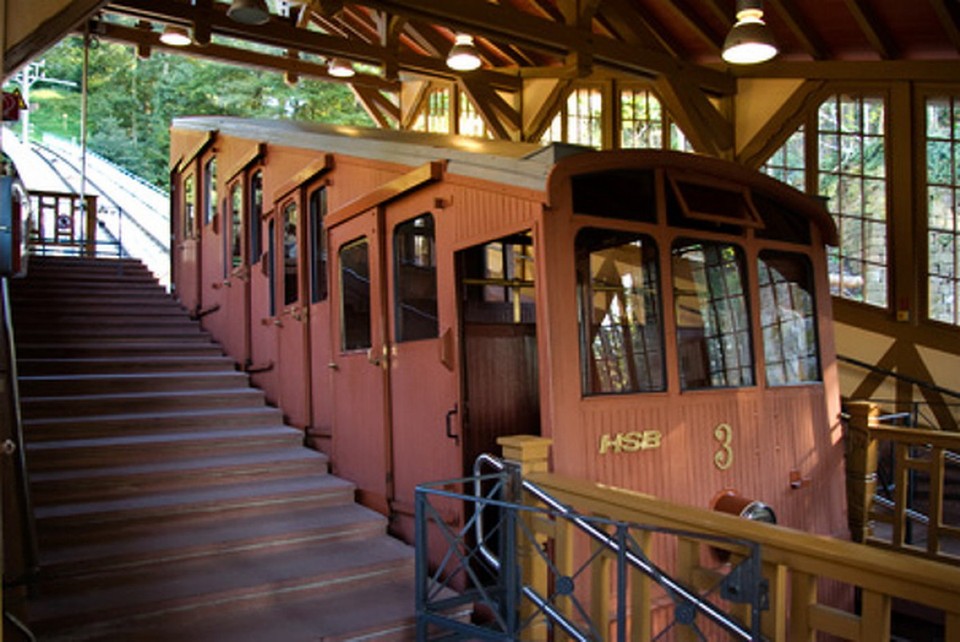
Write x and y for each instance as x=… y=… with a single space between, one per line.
x=90 y=221
x=861 y=465
x=532 y=455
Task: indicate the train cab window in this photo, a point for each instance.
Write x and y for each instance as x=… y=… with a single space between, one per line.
x=236 y=225
x=499 y=282
x=355 y=296
x=272 y=265
x=255 y=196
x=291 y=261
x=415 y=270
x=209 y=190
x=628 y=194
x=621 y=320
x=317 y=206
x=712 y=315
x=788 y=319
x=189 y=205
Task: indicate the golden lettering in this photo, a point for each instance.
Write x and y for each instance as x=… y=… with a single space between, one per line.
x=630 y=442
x=723 y=458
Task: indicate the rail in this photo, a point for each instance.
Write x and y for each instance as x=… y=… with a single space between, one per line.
x=919 y=515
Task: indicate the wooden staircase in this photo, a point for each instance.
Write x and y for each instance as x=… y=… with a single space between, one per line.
x=171 y=502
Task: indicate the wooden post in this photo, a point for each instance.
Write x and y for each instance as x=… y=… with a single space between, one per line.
x=861 y=463
x=90 y=224
x=532 y=454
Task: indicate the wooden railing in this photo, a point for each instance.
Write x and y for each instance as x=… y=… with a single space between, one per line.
x=813 y=580
x=918 y=462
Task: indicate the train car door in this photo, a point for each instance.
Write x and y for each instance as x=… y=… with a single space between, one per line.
x=498 y=343
x=291 y=317
x=187 y=249
x=210 y=276
x=359 y=443
x=320 y=318
x=236 y=283
x=423 y=388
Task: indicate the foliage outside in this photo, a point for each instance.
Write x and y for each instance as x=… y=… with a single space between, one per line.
x=131 y=101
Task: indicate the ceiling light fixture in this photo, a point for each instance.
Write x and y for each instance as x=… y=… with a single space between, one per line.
x=463 y=55
x=249 y=12
x=749 y=41
x=340 y=68
x=175 y=36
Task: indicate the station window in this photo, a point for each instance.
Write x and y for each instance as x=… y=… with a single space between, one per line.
x=355 y=296
x=584 y=114
x=621 y=320
x=318 y=245
x=943 y=206
x=210 y=190
x=236 y=225
x=644 y=123
x=291 y=255
x=256 y=212
x=469 y=121
x=788 y=320
x=852 y=177
x=712 y=315
x=189 y=205
x=435 y=116
x=788 y=164
x=415 y=269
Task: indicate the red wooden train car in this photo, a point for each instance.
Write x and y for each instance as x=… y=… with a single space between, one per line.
x=407 y=298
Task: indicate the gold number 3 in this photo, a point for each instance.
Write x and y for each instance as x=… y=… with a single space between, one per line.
x=723 y=458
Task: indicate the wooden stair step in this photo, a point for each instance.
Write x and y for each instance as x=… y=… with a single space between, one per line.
x=164 y=542
x=79 y=405
x=79 y=521
x=98 y=349
x=65 y=385
x=153 y=447
x=213 y=583
x=85 y=289
x=80 y=321
x=105 y=365
x=129 y=334
x=132 y=423
x=85 y=484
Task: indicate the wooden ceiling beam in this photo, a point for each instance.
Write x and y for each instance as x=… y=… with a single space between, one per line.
x=682 y=10
x=493 y=110
x=633 y=27
x=379 y=107
x=809 y=40
x=708 y=130
x=948 y=14
x=46 y=33
x=873 y=29
x=881 y=70
x=547 y=111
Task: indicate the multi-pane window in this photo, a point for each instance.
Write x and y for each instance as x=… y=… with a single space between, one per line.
x=210 y=190
x=712 y=315
x=788 y=164
x=641 y=119
x=435 y=116
x=788 y=320
x=469 y=122
x=621 y=330
x=852 y=176
x=415 y=270
x=291 y=257
x=943 y=208
x=355 y=296
x=500 y=282
x=255 y=196
x=236 y=225
x=318 y=245
x=189 y=203
x=584 y=117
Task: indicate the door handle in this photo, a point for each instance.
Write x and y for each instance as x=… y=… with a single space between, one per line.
x=450 y=433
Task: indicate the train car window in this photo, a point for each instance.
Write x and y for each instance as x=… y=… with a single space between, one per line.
x=189 y=205
x=712 y=315
x=627 y=194
x=499 y=282
x=209 y=190
x=621 y=328
x=355 y=296
x=714 y=201
x=678 y=216
x=291 y=257
x=788 y=319
x=780 y=223
x=236 y=225
x=318 y=245
x=272 y=265
x=255 y=195
x=225 y=214
x=415 y=280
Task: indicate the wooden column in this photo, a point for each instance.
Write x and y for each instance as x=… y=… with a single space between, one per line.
x=861 y=464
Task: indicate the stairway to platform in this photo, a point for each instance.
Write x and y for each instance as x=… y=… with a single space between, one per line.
x=170 y=500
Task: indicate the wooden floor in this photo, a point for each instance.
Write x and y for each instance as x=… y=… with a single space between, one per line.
x=170 y=500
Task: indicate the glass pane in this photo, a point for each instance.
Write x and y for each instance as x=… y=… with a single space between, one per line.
x=355 y=296
x=713 y=325
x=939 y=124
x=256 y=211
x=415 y=266
x=318 y=245
x=943 y=214
x=291 y=261
x=621 y=329
x=189 y=203
x=210 y=190
x=236 y=227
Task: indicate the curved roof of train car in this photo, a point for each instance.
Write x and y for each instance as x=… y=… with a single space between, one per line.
x=526 y=165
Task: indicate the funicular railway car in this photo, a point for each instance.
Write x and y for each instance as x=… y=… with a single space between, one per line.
x=406 y=299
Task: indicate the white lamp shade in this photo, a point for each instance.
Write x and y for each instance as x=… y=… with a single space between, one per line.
x=175 y=36
x=463 y=55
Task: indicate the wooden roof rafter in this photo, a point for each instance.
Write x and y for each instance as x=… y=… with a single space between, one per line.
x=873 y=30
x=948 y=15
x=684 y=12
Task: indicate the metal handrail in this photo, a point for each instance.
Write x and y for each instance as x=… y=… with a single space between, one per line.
x=899 y=376
x=645 y=566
